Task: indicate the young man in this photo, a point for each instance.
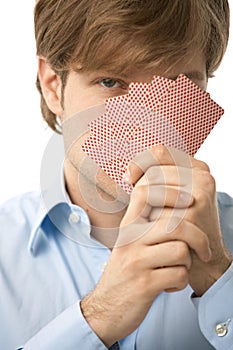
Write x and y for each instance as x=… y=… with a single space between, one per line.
x=167 y=282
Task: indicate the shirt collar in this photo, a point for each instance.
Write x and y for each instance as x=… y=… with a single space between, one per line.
x=55 y=200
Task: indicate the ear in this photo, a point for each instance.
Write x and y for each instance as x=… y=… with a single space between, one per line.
x=51 y=86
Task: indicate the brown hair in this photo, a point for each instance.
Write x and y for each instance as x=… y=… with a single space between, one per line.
x=115 y=34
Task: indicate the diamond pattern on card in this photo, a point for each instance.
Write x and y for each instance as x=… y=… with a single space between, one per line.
x=174 y=113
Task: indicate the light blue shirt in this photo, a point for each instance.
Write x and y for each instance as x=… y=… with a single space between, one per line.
x=49 y=262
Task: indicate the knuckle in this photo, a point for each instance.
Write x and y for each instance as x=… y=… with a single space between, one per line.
x=182 y=276
x=153 y=173
x=137 y=262
x=208 y=181
x=206 y=190
x=160 y=152
x=140 y=192
x=208 y=178
x=204 y=166
x=181 y=250
x=211 y=182
x=143 y=283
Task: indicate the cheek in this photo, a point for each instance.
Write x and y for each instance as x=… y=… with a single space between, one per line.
x=78 y=97
x=75 y=100
x=75 y=153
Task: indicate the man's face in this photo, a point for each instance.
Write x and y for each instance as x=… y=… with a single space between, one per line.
x=84 y=90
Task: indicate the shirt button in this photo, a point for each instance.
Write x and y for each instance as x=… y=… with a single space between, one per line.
x=74 y=218
x=221 y=329
x=103 y=266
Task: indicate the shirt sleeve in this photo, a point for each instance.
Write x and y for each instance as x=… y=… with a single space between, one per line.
x=67 y=331
x=215 y=312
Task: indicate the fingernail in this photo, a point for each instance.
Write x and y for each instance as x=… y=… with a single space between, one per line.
x=173 y=224
x=127 y=177
x=207 y=257
x=185 y=198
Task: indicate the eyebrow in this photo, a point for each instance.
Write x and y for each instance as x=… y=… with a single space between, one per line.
x=192 y=75
x=196 y=75
x=108 y=72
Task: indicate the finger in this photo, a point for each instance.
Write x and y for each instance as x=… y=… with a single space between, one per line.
x=132 y=232
x=157 y=156
x=167 y=175
x=172 y=253
x=166 y=213
x=144 y=198
x=169 y=278
x=137 y=210
x=161 y=196
x=165 y=230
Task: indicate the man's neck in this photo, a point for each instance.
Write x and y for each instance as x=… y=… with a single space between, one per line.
x=105 y=212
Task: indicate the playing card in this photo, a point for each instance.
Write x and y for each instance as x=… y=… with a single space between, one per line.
x=192 y=114
x=174 y=113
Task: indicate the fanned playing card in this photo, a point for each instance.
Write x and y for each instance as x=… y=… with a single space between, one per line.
x=175 y=113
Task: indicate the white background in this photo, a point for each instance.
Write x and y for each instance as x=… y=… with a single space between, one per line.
x=23 y=133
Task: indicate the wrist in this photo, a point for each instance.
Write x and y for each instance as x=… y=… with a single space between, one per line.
x=96 y=316
x=205 y=278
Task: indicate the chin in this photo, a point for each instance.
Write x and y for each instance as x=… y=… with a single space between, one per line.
x=94 y=180
x=110 y=188
x=106 y=187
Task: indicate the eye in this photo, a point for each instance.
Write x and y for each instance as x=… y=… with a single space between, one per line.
x=110 y=83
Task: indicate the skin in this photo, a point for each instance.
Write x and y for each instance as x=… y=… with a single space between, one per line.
x=172 y=211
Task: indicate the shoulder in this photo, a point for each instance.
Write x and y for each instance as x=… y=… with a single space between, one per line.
x=20 y=213
x=21 y=203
